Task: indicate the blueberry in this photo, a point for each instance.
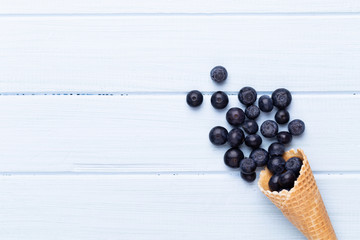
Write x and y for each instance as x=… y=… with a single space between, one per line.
x=287 y=179
x=218 y=135
x=276 y=149
x=260 y=156
x=269 y=129
x=284 y=137
x=233 y=157
x=294 y=164
x=276 y=164
x=250 y=126
x=235 y=116
x=218 y=74
x=296 y=127
x=282 y=116
x=236 y=137
x=194 y=98
x=247 y=96
x=266 y=103
x=247 y=166
x=274 y=183
x=219 y=100
x=253 y=141
x=252 y=112
x=281 y=98
x=249 y=177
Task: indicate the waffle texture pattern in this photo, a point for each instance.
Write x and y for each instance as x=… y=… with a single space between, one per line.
x=302 y=205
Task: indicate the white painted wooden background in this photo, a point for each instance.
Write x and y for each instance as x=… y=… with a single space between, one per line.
x=97 y=141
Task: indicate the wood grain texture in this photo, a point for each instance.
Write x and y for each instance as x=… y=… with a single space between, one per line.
x=219 y=206
x=166 y=6
x=136 y=163
x=176 y=53
x=156 y=133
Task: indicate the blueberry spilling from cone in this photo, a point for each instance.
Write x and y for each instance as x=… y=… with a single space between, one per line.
x=244 y=131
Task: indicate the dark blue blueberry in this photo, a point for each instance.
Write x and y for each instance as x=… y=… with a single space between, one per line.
x=276 y=149
x=281 y=98
x=266 y=103
x=235 y=116
x=247 y=166
x=254 y=141
x=296 y=127
x=194 y=98
x=274 y=183
x=247 y=96
x=250 y=126
x=233 y=157
x=260 y=156
x=252 y=112
x=287 y=179
x=294 y=164
x=236 y=137
x=248 y=177
x=218 y=135
x=276 y=165
x=219 y=100
x=269 y=129
x=282 y=116
x=284 y=137
x=218 y=74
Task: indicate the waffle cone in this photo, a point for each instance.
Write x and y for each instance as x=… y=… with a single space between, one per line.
x=302 y=205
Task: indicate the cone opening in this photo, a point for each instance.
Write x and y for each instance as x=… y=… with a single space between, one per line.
x=265 y=174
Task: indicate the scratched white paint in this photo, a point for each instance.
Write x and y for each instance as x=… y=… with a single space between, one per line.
x=172 y=6
x=182 y=206
x=149 y=133
x=136 y=163
x=175 y=53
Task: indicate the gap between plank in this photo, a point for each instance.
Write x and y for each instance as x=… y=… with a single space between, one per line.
x=162 y=173
x=195 y=14
x=127 y=93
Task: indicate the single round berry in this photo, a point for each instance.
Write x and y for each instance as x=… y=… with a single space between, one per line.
x=233 y=157
x=274 y=183
x=194 y=98
x=218 y=135
x=247 y=166
x=266 y=103
x=282 y=116
x=254 y=141
x=296 y=127
x=269 y=129
x=252 y=112
x=276 y=164
x=260 y=156
x=284 y=137
x=281 y=98
x=219 y=100
x=294 y=164
x=287 y=179
x=247 y=96
x=249 y=177
x=235 y=116
x=236 y=137
x=250 y=126
x=218 y=74
x=276 y=149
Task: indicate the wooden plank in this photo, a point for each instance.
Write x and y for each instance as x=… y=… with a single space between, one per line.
x=218 y=206
x=149 y=133
x=164 y=6
x=175 y=53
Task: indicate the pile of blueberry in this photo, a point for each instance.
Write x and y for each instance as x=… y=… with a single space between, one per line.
x=245 y=129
